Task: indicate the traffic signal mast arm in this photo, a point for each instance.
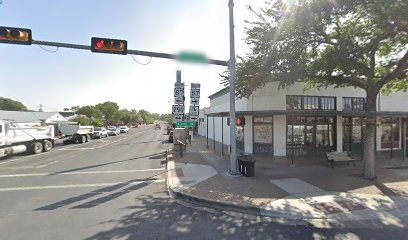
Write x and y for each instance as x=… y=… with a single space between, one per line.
x=134 y=52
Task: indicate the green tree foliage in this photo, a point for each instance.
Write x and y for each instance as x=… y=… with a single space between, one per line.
x=110 y=111
x=146 y=117
x=8 y=104
x=84 y=121
x=168 y=118
x=97 y=122
x=359 y=43
x=90 y=111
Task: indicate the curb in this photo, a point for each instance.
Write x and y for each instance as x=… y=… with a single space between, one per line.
x=272 y=216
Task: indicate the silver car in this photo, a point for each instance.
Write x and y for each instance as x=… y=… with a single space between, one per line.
x=99 y=132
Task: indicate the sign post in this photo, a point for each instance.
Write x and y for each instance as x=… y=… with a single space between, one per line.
x=178 y=108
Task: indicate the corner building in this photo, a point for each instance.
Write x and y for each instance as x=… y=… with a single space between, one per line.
x=297 y=122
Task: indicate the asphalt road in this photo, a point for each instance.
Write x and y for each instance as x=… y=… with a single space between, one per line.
x=115 y=188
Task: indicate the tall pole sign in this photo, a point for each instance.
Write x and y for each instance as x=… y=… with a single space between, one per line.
x=178 y=107
x=194 y=102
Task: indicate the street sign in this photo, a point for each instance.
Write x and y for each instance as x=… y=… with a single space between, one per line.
x=194 y=110
x=178 y=110
x=195 y=85
x=195 y=93
x=178 y=92
x=177 y=118
x=179 y=100
x=185 y=124
x=181 y=84
x=194 y=101
x=193 y=57
x=193 y=118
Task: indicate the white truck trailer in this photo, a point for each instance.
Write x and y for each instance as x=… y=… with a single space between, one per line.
x=75 y=133
x=15 y=139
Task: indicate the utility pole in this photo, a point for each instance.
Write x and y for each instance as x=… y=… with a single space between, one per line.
x=231 y=66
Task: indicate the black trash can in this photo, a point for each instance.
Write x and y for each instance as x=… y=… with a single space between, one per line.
x=240 y=164
x=248 y=168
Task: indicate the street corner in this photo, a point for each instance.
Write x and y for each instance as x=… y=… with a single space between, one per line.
x=324 y=209
x=181 y=176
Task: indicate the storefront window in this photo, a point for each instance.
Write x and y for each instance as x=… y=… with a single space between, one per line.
x=310 y=134
x=390 y=133
x=353 y=104
x=295 y=102
x=263 y=136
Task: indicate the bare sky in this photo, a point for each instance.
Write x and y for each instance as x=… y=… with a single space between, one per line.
x=70 y=77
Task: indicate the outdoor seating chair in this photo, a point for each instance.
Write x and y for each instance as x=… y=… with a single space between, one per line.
x=339 y=157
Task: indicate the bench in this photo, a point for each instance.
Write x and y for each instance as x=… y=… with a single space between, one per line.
x=337 y=157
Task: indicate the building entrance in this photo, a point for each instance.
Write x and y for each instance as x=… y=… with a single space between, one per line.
x=310 y=135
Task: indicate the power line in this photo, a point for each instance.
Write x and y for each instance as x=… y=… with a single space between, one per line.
x=140 y=62
x=52 y=51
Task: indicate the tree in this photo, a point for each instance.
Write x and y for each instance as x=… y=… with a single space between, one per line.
x=8 y=104
x=359 y=43
x=110 y=111
x=82 y=120
x=75 y=108
x=97 y=122
x=90 y=111
x=146 y=117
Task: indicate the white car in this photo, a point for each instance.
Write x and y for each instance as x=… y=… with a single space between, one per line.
x=113 y=131
x=99 y=132
x=124 y=129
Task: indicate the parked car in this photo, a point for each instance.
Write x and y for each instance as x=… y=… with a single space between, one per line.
x=157 y=126
x=171 y=136
x=99 y=132
x=123 y=129
x=113 y=131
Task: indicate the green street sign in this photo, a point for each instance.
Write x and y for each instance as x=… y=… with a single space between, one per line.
x=192 y=57
x=185 y=124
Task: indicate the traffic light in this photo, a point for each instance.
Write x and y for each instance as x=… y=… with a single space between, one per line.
x=105 y=45
x=15 y=35
x=239 y=121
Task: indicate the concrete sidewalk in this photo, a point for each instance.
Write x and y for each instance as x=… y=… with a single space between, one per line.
x=310 y=193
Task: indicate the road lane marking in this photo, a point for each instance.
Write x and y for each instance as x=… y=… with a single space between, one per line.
x=62 y=148
x=47 y=187
x=78 y=173
x=73 y=149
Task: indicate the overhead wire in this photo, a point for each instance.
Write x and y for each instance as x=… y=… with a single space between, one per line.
x=140 y=62
x=52 y=51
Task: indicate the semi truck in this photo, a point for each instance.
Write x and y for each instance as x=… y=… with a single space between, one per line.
x=75 y=133
x=15 y=138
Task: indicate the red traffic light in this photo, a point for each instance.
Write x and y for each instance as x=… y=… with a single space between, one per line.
x=15 y=35
x=105 y=45
x=98 y=44
x=239 y=121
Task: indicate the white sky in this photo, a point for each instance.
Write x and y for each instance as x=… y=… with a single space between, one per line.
x=75 y=77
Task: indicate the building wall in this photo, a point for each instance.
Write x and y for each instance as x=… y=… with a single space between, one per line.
x=248 y=134
x=271 y=98
x=395 y=102
x=279 y=135
x=57 y=117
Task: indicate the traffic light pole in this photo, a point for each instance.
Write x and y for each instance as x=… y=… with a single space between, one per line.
x=233 y=127
x=129 y=51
